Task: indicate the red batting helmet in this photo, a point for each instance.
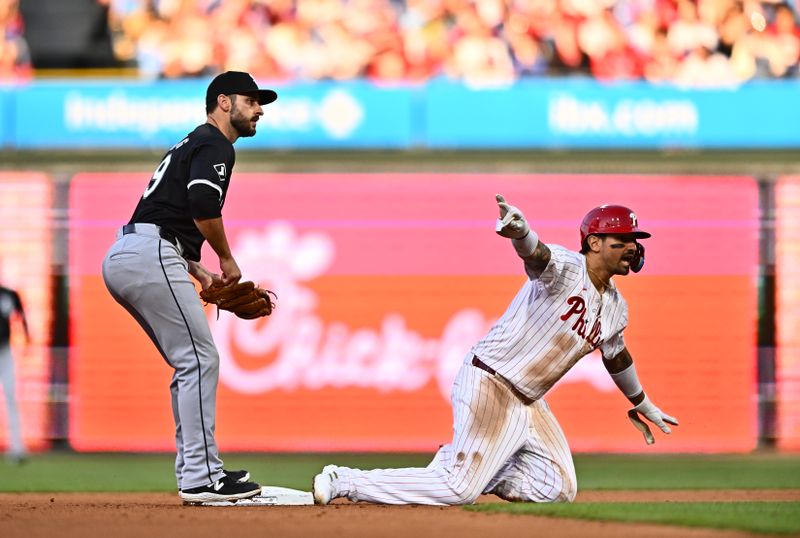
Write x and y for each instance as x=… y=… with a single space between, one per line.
x=611 y=219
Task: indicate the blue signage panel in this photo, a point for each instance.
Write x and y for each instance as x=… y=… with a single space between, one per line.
x=6 y=116
x=584 y=114
x=114 y=114
x=542 y=114
x=354 y=114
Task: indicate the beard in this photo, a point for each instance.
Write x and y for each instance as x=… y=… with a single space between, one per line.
x=241 y=123
x=623 y=269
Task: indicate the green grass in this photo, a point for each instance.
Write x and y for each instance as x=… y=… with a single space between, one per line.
x=760 y=517
x=64 y=471
x=745 y=471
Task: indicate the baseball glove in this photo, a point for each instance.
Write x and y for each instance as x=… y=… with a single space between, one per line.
x=244 y=299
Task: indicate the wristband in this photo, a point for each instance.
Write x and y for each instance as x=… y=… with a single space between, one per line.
x=525 y=246
x=646 y=406
x=628 y=381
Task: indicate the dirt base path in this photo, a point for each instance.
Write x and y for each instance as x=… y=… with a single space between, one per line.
x=162 y=515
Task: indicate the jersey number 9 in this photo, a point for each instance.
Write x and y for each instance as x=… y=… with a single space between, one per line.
x=157 y=176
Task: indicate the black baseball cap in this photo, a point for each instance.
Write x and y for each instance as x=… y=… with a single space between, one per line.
x=240 y=83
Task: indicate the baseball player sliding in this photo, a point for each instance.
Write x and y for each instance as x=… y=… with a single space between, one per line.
x=506 y=440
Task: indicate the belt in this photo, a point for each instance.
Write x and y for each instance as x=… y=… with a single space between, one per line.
x=162 y=233
x=477 y=363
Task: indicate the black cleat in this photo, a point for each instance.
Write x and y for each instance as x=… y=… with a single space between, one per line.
x=238 y=476
x=224 y=489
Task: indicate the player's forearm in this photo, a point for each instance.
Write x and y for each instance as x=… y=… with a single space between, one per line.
x=623 y=372
x=537 y=260
x=214 y=232
x=201 y=274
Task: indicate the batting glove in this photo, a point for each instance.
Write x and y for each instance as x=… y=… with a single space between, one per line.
x=654 y=415
x=512 y=223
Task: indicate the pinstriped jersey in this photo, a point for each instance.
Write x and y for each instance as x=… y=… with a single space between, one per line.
x=190 y=183
x=553 y=321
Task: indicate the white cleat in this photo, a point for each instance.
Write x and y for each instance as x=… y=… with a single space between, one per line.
x=322 y=487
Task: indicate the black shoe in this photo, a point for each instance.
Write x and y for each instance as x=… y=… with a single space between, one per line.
x=224 y=489
x=18 y=458
x=241 y=476
x=237 y=476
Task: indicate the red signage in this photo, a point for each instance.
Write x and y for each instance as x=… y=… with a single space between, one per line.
x=384 y=281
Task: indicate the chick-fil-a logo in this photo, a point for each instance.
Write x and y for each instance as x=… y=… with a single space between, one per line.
x=306 y=352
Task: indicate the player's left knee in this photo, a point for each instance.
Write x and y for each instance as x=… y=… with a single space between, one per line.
x=563 y=492
x=569 y=487
x=568 y=495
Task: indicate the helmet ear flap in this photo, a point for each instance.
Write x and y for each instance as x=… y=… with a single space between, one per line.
x=638 y=259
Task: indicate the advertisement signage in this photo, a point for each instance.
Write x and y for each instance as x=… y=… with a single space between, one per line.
x=537 y=114
x=787 y=368
x=587 y=114
x=384 y=281
x=131 y=115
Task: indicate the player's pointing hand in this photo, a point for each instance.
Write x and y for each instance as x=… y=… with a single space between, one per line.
x=501 y=203
x=512 y=223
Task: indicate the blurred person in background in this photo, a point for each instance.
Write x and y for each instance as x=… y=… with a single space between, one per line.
x=424 y=27
x=189 y=52
x=661 y=63
x=705 y=68
x=736 y=42
x=479 y=56
x=611 y=57
x=689 y=32
x=11 y=308
x=781 y=42
x=527 y=54
x=15 y=60
x=568 y=58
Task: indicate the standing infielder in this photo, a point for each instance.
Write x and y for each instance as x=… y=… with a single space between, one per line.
x=147 y=271
x=506 y=441
x=10 y=305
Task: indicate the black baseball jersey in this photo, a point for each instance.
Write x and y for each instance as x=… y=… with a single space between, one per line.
x=190 y=183
x=9 y=304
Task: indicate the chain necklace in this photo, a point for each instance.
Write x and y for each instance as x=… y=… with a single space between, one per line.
x=604 y=285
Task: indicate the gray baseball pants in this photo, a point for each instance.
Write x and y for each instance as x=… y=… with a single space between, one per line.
x=147 y=275
x=16 y=447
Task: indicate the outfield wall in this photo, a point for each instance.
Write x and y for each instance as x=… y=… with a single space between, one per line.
x=385 y=281
x=538 y=114
x=788 y=312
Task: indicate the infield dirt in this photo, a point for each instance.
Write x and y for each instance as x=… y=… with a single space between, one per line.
x=157 y=515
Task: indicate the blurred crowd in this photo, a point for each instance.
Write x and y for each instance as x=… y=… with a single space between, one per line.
x=15 y=59
x=482 y=42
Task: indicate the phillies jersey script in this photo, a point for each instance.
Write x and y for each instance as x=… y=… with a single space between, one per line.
x=552 y=322
x=190 y=183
